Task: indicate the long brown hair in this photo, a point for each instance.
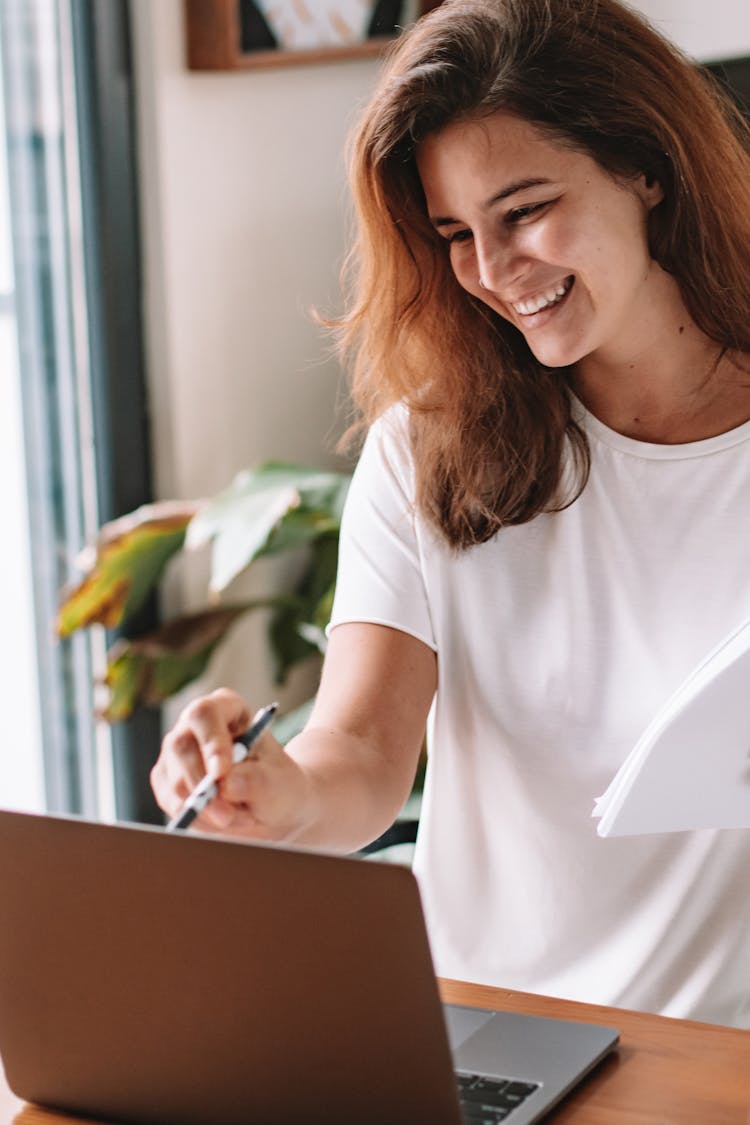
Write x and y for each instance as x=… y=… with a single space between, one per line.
x=489 y=423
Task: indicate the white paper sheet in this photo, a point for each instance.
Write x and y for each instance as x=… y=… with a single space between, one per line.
x=691 y=766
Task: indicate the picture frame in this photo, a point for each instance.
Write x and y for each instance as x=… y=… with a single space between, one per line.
x=244 y=34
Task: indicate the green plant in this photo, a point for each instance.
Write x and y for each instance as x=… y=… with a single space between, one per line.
x=269 y=510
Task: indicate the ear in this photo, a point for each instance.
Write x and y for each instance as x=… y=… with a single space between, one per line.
x=649 y=190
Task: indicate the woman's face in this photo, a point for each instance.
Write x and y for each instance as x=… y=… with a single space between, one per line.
x=544 y=236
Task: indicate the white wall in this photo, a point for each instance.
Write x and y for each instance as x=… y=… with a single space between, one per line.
x=243 y=230
x=706 y=29
x=242 y=213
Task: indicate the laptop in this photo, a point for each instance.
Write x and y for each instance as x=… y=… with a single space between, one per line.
x=176 y=979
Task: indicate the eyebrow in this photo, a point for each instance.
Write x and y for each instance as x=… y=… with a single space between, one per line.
x=504 y=193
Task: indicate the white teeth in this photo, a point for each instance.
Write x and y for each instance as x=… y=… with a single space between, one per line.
x=543 y=300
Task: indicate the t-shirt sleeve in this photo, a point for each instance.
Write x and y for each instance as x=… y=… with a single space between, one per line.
x=380 y=575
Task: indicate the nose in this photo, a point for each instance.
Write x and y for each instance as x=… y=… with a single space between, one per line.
x=498 y=265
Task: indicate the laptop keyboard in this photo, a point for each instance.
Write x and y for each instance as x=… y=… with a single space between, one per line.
x=487 y=1100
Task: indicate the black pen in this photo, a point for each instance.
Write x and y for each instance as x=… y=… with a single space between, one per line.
x=206 y=789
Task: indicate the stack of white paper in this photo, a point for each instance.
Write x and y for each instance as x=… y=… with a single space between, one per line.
x=691 y=766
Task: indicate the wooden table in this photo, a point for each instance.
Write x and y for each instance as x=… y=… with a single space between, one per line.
x=664 y=1072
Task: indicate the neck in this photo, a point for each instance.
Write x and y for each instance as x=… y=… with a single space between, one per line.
x=678 y=387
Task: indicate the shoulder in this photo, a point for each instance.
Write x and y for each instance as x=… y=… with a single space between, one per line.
x=383 y=487
x=388 y=445
x=391 y=430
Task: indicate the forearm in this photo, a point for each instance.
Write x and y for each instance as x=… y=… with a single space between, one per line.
x=355 y=791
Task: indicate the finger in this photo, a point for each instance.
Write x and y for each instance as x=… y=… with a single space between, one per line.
x=183 y=761
x=214 y=721
x=218 y=815
x=177 y=770
x=241 y=783
x=239 y=823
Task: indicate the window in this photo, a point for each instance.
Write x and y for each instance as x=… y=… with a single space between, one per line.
x=71 y=327
x=21 y=749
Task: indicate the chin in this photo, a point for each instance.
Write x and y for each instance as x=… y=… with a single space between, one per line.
x=556 y=357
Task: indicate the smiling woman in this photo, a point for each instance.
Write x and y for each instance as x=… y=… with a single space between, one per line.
x=544 y=237
x=500 y=463
x=548 y=314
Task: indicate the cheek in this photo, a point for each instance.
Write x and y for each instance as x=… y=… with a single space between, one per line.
x=468 y=278
x=556 y=245
x=466 y=272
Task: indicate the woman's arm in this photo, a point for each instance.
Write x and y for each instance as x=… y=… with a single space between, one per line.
x=339 y=783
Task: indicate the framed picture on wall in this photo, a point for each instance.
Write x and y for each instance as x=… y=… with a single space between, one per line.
x=237 y=34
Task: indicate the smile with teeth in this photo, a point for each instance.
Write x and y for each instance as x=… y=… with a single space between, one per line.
x=543 y=300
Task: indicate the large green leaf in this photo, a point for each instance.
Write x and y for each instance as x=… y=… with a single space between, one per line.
x=273 y=508
x=297 y=628
x=266 y=510
x=124 y=565
x=147 y=670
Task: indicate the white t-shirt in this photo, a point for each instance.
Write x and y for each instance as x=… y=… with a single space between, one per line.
x=557 y=641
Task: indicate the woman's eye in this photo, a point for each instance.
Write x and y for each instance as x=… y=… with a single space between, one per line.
x=518 y=214
x=459 y=236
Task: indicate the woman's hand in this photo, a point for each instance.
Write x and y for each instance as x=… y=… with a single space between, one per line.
x=267 y=796
x=339 y=783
